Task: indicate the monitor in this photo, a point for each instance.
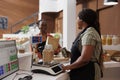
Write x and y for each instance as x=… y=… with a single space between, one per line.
x=8 y=58
x=36 y=39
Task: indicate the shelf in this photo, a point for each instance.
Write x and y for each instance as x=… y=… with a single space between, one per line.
x=112 y=47
x=111 y=64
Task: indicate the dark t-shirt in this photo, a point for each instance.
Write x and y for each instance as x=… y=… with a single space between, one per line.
x=41 y=46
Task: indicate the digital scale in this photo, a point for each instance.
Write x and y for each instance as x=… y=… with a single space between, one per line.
x=50 y=69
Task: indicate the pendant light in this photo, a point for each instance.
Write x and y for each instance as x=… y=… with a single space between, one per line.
x=110 y=2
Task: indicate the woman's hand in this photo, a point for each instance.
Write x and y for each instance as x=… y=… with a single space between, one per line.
x=65 y=67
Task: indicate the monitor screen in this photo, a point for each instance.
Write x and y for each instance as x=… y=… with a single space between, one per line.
x=36 y=39
x=8 y=58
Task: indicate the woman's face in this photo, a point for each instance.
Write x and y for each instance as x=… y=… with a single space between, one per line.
x=79 y=23
x=43 y=27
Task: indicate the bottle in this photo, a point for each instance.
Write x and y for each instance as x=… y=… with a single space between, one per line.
x=115 y=40
x=21 y=49
x=48 y=54
x=118 y=39
x=103 y=37
x=35 y=56
x=109 y=40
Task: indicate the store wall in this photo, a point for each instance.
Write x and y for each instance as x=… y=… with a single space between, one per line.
x=59 y=22
x=60 y=4
x=78 y=9
x=49 y=17
x=110 y=20
x=50 y=6
x=54 y=21
x=109 y=17
x=16 y=10
x=69 y=23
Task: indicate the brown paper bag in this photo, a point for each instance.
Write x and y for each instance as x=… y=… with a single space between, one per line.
x=53 y=41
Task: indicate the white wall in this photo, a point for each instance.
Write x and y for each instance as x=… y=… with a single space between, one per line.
x=50 y=6
x=60 y=5
x=47 y=6
x=69 y=23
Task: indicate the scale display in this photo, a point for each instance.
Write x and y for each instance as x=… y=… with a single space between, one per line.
x=56 y=68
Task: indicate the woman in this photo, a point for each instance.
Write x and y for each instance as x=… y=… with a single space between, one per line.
x=43 y=32
x=86 y=49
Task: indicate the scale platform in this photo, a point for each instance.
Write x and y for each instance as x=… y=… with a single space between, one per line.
x=50 y=69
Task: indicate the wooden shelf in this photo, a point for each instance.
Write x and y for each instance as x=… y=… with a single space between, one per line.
x=112 y=47
x=111 y=64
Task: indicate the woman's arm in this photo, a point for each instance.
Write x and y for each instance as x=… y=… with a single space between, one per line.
x=87 y=52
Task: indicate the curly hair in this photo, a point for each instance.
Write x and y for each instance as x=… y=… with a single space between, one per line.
x=90 y=17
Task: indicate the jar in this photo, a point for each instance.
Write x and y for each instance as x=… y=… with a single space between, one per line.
x=48 y=54
x=103 y=37
x=115 y=40
x=118 y=39
x=21 y=49
x=109 y=40
x=35 y=56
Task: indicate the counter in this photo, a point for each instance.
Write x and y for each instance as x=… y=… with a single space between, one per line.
x=111 y=71
x=25 y=67
x=111 y=64
x=21 y=74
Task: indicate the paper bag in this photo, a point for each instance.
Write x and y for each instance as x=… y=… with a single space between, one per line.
x=54 y=42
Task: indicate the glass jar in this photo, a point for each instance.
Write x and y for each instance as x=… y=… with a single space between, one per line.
x=103 y=37
x=115 y=40
x=109 y=40
x=48 y=54
x=21 y=49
